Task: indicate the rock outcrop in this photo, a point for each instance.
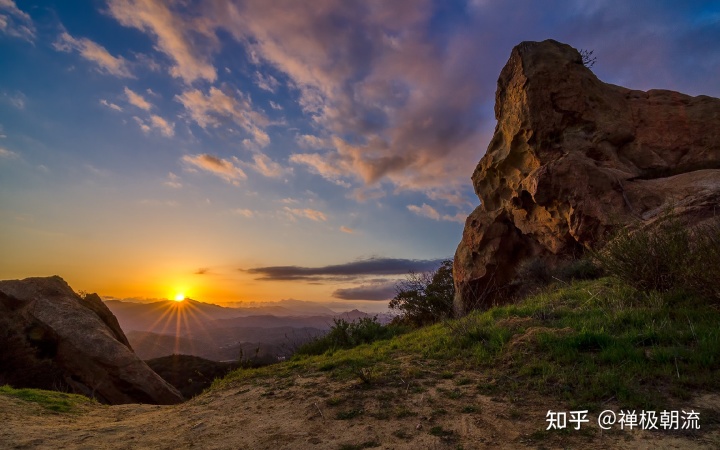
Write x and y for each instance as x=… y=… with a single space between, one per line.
x=573 y=158
x=72 y=343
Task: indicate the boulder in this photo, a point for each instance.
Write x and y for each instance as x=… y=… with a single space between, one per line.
x=72 y=342
x=573 y=158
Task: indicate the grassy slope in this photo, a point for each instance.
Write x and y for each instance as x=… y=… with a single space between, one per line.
x=54 y=401
x=588 y=343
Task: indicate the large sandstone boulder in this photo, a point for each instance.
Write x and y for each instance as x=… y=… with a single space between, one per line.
x=572 y=158
x=70 y=342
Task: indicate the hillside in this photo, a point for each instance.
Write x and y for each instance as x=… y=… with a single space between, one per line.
x=487 y=380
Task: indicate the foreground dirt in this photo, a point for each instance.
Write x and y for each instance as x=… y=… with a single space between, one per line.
x=315 y=412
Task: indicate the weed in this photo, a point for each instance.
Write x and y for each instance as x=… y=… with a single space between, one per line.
x=54 y=401
x=441 y=432
x=368 y=444
x=349 y=414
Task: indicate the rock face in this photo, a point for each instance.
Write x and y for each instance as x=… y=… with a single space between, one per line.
x=572 y=158
x=49 y=329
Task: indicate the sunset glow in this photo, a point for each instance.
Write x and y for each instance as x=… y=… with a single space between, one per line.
x=179 y=297
x=241 y=151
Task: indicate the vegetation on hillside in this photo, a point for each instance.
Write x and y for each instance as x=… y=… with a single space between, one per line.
x=426 y=298
x=588 y=342
x=51 y=400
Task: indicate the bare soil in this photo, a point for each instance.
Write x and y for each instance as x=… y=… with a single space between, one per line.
x=315 y=412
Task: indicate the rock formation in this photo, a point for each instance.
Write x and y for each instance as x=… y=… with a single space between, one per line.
x=572 y=158
x=49 y=328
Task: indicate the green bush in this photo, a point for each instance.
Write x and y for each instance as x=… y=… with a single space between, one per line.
x=344 y=334
x=426 y=298
x=669 y=256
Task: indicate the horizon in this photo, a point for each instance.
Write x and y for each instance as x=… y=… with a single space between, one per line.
x=245 y=152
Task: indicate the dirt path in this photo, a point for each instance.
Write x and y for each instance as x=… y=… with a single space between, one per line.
x=317 y=413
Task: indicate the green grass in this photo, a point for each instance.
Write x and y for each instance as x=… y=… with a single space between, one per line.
x=51 y=400
x=588 y=342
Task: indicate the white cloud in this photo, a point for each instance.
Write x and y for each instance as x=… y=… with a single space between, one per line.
x=156 y=122
x=110 y=105
x=266 y=82
x=428 y=211
x=141 y=123
x=267 y=167
x=322 y=165
x=95 y=53
x=209 y=111
x=222 y=168
x=171 y=33
x=137 y=100
x=173 y=181
x=307 y=213
x=425 y=210
x=275 y=106
x=167 y=129
x=15 y=22
x=308 y=141
x=243 y=212
x=5 y=153
x=17 y=99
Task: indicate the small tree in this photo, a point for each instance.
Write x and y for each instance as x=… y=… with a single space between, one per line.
x=426 y=298
x=588 y=59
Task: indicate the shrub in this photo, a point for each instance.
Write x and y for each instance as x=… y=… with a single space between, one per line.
x=669 y=256
x=344 y=334
x=703 y=275
x=426 y=298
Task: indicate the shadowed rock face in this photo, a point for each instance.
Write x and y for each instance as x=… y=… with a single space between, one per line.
x=573 y=157
x=80 y=340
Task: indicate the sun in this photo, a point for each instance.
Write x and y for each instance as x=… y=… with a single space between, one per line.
x=180 y=297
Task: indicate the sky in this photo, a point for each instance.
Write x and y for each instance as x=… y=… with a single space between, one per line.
x=258 y=150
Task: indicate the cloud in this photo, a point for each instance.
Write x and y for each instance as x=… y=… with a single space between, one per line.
x=167 y=129
x=173 y=181
x=396 y=102
x=363 y=267
x=210 y=110
x=110 y=105
x=173 y=35
x=308 y=141
x=428 y=211
x=137 y=100
x=266 y=82
x=347 y=230
x=201 y=271
x=156 y=122
x=322 y=165
x=15 y=22
x=95 y=53
x=374 y=291
x=363 y=194
x=7 y=154
x=141 y=123
x=425 y=210
x=17 y=99
x=312 y=214
x=265 y=166
x=222 y=168
x=243 y=212
x=275 y=106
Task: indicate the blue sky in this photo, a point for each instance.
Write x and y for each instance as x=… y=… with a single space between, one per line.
x=155 y=147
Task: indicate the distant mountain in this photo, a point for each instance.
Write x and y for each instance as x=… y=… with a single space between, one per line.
x=219 y=333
